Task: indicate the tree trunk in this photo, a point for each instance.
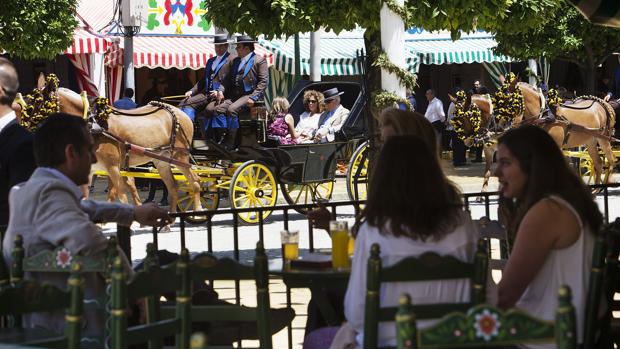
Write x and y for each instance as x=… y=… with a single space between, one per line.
x=372 y=41
x=589 y=71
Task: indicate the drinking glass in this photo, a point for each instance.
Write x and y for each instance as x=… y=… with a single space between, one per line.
x=339 y=232
x=290 y=245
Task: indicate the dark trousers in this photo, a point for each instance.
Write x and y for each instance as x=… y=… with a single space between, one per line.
x=458 y=149
x=232 y=108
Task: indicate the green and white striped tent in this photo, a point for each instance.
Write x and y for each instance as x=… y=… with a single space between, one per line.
x=604 y=12
x=338 y=53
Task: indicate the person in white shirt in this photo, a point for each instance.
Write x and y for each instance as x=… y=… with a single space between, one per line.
x=309 y=119
x=434 y=113
x=406 y=228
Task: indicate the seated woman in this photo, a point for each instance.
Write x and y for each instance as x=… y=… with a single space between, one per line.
x=554 y=215
x=405 y=227
x=314 y=103
x=281 y=124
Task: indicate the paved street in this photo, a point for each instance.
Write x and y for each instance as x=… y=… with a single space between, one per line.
x=467 y=178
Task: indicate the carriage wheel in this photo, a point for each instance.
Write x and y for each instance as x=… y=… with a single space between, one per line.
x=357 y=174
x=586 y=169
x=298 y=194
x=209 y=200
x=253 y=185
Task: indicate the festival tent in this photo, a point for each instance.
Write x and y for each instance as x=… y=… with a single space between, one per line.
x=604 y=12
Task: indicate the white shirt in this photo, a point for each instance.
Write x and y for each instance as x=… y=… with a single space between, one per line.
x=451 y=108
x=6 y=118
x=244 y=61
x=434 y=112
x=568 y=266
x=308 y=123
x=216 y=61
x=460 y=243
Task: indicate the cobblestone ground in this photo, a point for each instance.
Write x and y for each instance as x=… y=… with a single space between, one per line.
x=467 y=178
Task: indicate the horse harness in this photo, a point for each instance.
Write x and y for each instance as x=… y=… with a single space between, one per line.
x=549 y=116
x=98 y=125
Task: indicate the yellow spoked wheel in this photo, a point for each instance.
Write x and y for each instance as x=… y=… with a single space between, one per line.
x=209 y=200
x=253 y=185
x=357 y=174
x=586 y=168
x=298 y=194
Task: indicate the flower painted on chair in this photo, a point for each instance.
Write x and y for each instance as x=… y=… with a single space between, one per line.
x=486 y=325
x=63 y=258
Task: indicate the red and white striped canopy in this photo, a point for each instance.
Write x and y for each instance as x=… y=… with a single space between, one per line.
x=86 y=42
x=174 y=52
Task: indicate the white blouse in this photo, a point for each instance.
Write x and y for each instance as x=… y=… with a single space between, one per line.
x=460 y=243
x=308 y=123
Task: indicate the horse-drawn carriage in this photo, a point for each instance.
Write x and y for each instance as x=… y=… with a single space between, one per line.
x=249 y=175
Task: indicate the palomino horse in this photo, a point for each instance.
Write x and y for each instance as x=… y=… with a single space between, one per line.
x=151 y=127
x=486 y=108
x=586 y=121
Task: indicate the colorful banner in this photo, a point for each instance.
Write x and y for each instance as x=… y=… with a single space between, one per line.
x=176 y=17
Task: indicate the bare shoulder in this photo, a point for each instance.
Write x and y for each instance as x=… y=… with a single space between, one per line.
x=553 y=220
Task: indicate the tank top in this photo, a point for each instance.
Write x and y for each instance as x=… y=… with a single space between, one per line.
x=568 y=266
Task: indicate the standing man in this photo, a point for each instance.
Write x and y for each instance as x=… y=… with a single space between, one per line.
x=16 y=155
x=126 y=102
x=48 y=211
x=333 y=118
x=245 y=84
x=209 y=91
x=435 y=114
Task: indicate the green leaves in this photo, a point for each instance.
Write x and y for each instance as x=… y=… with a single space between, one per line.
x=32 y=29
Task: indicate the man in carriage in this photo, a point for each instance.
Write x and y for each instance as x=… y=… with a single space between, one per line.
x=208 y=91
x=243 y=87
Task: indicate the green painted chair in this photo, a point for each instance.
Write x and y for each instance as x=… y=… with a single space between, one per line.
x=29 y=296
x=427 y=267
x=149 y=285
x=485 y=326
x=228 y=269
x=59 y=260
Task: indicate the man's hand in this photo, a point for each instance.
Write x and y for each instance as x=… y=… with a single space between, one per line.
x=320 y=217
x=250 y=102
x=220 y=96
x=188 y=93
x=151 y=214
x=607 y=97
x=213 y=94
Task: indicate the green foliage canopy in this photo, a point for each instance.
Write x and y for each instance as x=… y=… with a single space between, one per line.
x=562 y=33
x=36 y=29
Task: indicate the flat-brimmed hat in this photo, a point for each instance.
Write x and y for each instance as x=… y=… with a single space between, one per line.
x=331 y=93
x=245 y=39
x=220 y=39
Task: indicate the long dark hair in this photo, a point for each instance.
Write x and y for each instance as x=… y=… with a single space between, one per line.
x=409 y=195
x=548 y=173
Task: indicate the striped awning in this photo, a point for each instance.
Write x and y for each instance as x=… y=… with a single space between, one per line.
x=338 y=53
x=178 y=52
x=442 y=51
x=84 y=41
x=604 y=12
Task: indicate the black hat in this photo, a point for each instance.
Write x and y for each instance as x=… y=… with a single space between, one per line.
x=245 y=39
x=331 y=93
x=220 y=39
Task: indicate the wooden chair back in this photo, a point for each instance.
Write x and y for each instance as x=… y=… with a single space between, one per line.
x=228 y=269
x=484 y=325
x=149 y=284
x=30 y=296
x=427 y=267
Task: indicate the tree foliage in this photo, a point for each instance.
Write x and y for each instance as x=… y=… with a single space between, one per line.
x=32 y=29
x=563 y=33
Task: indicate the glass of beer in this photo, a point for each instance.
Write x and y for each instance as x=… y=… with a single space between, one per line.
x=290 y=245
x=351 y=245
x=339 y=232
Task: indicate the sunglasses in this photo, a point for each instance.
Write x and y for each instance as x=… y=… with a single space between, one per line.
x=312 y=101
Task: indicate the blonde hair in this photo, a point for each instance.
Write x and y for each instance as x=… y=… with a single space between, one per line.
x=319 y=98
x=410 y=123
x=279 y=105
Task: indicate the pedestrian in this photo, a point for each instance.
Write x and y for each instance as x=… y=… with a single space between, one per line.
x=435 y=114
x=16 y=154
x=126 y=102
